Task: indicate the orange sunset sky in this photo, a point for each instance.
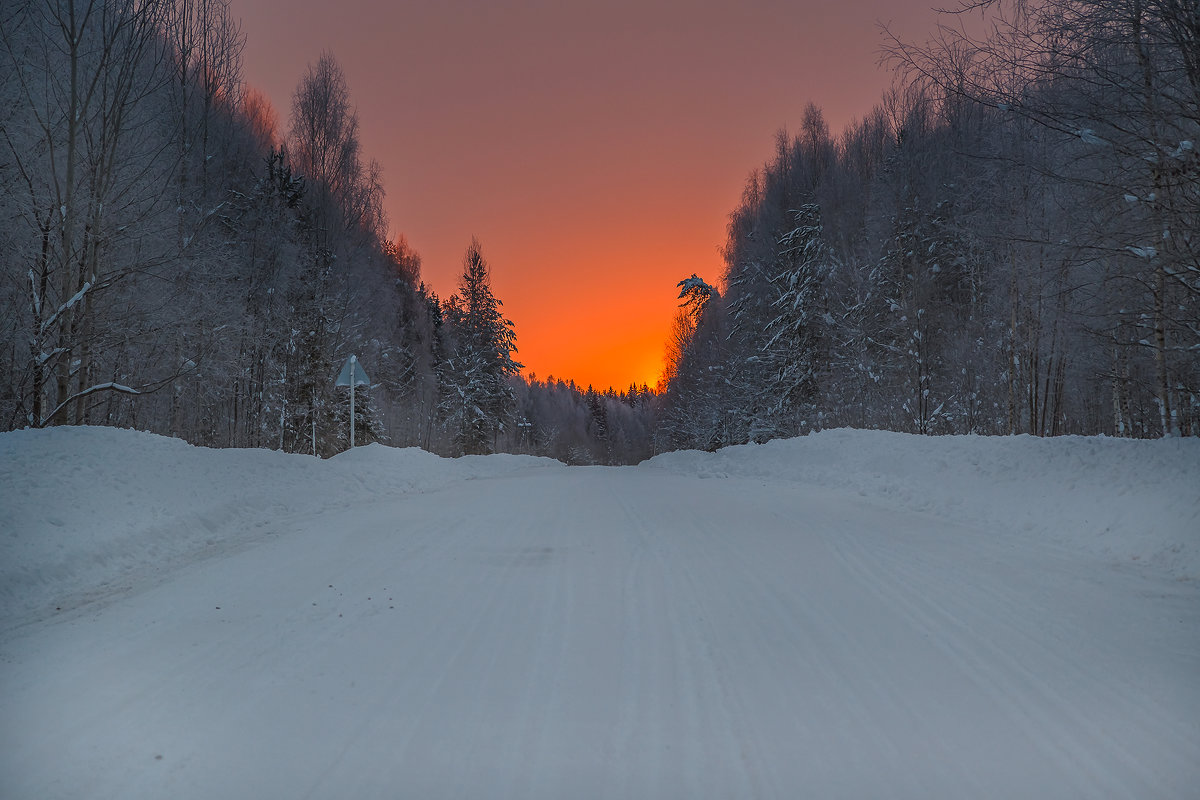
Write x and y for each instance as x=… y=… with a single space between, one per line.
x=595 y=149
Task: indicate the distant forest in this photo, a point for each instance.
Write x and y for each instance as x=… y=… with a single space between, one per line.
x=1009 y=242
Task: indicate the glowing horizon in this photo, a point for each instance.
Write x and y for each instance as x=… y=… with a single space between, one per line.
x=595 y=151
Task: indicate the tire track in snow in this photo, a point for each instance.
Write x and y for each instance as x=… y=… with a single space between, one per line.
x=726 y=757
x=976 y=612
x=607 y=633
x=770 y=601
x=621 y=748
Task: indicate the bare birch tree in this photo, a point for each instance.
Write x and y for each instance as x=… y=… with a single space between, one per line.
x=85 y=173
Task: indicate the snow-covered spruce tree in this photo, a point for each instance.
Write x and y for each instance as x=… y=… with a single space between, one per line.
x=795 y=342
x=598 y=427
x=776 y=312
x=696 y=408
x=775 y=268
x=441 y=345
x=477 y=401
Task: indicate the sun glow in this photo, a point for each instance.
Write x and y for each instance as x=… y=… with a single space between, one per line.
x=593 y=183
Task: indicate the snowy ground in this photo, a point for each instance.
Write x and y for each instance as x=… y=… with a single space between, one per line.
x=851 y=614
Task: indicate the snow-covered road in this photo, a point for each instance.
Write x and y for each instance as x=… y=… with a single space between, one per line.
x=616 y=633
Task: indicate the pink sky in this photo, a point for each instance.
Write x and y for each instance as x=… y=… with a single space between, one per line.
x=595 y=149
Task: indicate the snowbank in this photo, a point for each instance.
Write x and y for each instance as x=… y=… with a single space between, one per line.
x=86 y=511
x=1126 y=500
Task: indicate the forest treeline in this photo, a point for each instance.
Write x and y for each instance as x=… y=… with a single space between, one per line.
x=1005 y=244
x=176 y=259
x=1008 y=243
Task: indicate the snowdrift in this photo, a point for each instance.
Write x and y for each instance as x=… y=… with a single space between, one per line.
x=1132 y=501
x=90 y=512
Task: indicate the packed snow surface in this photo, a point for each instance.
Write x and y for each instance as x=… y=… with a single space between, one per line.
x=848 y=614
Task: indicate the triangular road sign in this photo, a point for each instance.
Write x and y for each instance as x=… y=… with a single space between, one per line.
x=353 y=370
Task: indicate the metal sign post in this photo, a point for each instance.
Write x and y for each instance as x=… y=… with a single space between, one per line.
x=352 y=375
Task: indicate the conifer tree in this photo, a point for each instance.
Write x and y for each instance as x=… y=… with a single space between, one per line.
x=477 y=400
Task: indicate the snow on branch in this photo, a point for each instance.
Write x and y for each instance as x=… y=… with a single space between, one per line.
x=44 y=357
x=694 y=285
x=36 y=296
x=67 y=306
x=695 y=294
x=100 y=387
